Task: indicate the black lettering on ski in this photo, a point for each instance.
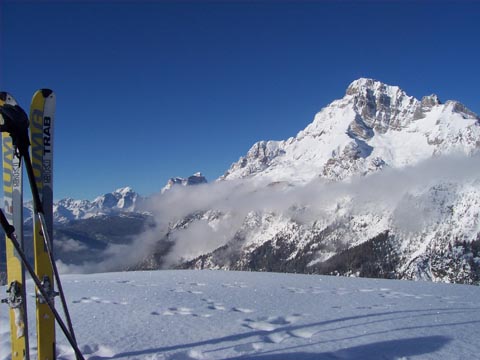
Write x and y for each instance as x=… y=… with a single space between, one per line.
x=47 y=121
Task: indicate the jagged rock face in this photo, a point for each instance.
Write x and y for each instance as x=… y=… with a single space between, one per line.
x=258 y=158
x=428 y=102
x=195 y=179
x=382 y=107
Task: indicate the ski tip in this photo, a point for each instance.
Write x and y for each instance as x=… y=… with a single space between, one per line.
x=46 y=92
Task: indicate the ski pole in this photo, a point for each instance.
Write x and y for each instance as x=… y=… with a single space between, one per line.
x=10 y=232
x=46 y=237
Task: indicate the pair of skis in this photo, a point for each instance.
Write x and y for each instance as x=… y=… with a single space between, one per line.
x=15 y=145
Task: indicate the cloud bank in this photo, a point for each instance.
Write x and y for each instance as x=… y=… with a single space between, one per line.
x=409 y=196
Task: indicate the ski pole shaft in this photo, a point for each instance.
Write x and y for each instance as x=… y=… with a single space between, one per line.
x=10 y=232
x=43 y=225
x=37 y=203
x=7 y=228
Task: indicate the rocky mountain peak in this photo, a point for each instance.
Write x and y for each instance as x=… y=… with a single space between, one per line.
x=195 y=179
x=119 y=201
x=123 y=198
x=458 y=108
x=362 y=85
x=430 y=101
x=257 y=159
x=373 y=126
x=125 y=191
x=380 y=106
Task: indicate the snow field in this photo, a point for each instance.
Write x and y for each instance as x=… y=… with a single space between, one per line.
x=183 y=315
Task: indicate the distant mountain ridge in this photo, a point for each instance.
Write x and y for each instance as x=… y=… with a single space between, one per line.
x=195 y=179
x=65 y=210
x=122 y=200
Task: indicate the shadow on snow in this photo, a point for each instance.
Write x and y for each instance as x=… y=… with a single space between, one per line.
x=384 y=349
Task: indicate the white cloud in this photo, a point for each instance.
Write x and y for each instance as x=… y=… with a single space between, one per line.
x=399 y=193
x=69 y=245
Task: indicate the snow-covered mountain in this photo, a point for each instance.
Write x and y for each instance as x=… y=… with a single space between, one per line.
x=195 y=179
x=65 y=210
x=307 y=205
x=373 y=126
x=121 y=200
x=85 y=230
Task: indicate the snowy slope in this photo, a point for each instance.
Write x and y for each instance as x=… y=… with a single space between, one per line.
x=185 y=315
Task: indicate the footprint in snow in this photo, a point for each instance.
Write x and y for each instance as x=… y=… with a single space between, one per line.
x=182 y=290
x=271 y=323
x=295 y=290
x=260 y=325
x=216 y=306
x=243 y=310
x=303 y=333
x=179 y=311
x=240 y=285
x=276 y=338
x=277 y=328
x=183 y=311
x=94 y=351
x=178 y=290
x=123 y=281
x=97 y=300
x=213 y=305
x=367 y=290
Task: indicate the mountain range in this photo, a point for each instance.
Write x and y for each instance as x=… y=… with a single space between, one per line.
x=380 y=184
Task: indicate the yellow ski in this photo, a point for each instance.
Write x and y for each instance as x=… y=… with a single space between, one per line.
x=42 y=111
x=13 y=208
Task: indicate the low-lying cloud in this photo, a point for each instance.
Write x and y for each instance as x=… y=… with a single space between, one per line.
x=399 y=193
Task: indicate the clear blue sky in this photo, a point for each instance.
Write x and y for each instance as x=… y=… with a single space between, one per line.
x=149 y=90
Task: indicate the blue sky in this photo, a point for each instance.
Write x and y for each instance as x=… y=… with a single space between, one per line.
x=149 y=90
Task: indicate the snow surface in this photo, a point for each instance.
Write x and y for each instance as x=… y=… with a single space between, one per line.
x=182 y=315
